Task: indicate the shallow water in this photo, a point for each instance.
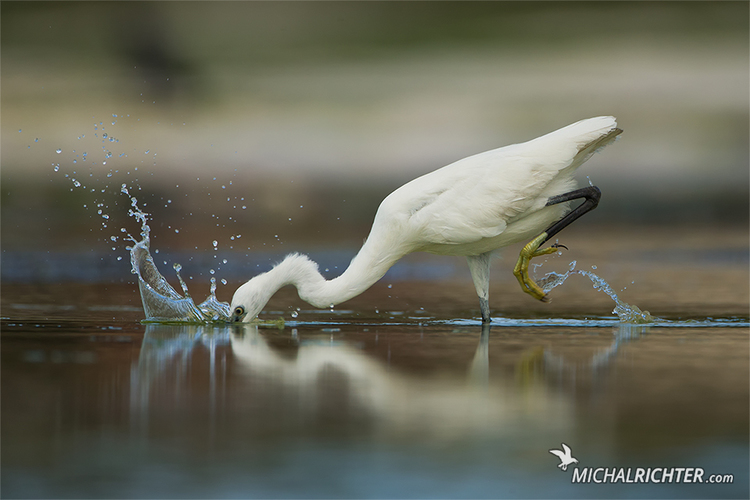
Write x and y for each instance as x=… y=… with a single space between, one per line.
x=416 y=401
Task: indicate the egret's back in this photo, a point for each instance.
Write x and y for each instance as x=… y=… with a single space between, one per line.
x=469 y=206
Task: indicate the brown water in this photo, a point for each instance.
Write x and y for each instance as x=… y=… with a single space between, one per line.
x=397 y=393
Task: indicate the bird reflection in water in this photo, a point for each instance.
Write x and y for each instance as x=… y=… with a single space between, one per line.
x=275 y=382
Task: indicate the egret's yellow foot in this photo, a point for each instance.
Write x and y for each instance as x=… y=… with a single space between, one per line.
x=521 y=271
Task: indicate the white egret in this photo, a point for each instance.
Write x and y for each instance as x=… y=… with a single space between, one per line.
x=471 y=208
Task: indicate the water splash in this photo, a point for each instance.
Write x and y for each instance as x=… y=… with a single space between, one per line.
x=161 y=302
x=627 y=313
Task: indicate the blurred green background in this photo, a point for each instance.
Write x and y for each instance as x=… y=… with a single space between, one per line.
x=287 y=123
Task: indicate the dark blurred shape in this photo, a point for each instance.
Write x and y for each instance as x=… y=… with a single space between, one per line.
x=144 y=41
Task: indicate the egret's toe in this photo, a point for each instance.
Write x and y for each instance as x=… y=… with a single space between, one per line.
x=521 y=270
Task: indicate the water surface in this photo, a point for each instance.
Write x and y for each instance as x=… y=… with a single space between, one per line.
x=398 y=392
x=354 y=403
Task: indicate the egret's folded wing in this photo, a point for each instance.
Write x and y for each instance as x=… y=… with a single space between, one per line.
x=477 y=197
x=476 y=200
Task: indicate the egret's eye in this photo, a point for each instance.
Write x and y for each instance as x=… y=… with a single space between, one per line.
x=239 y=311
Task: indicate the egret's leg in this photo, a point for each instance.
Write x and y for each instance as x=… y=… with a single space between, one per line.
x=484 y=306
x=591 y=195
x=531 y=250
x=479 y=265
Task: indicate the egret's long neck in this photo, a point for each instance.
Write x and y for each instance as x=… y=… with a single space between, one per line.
x=364 y=270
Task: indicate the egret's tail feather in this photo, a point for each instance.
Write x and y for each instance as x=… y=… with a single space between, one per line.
x=594 y=146
x=587 y=136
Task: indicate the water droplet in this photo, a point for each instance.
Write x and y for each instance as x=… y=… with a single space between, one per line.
x=390 y=286
x=212 y=271
x=224 y=261
x=119 y=257
x=593 y=267
x=216 y=243
x=57 y=168
x=295 y=314
x=58 y=151
x=36 y=140
x=223 y=281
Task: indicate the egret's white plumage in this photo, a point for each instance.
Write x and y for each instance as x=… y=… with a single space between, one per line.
x=470 y=207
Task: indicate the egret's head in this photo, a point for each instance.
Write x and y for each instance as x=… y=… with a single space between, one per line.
x=249 y=300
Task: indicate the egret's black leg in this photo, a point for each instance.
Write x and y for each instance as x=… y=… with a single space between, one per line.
x=591 y=197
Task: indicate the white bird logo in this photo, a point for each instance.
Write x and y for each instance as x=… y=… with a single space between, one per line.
x=565 y=457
